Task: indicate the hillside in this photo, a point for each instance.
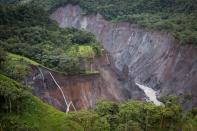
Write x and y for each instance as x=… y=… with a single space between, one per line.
x=28 y=31
x=150 y=58
x=177 y=17
x=22 y=111
x=122 y=65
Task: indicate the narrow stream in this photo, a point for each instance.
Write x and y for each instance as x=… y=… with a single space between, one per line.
x=59 y=89
x=150 y=93
x=67 y=104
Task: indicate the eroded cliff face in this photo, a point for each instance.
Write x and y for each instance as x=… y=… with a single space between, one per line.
x=82 y=90
x=154 y=59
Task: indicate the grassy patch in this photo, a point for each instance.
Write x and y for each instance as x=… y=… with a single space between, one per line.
x=17 y=66
x=15 y=57
x=91 y=72
x=83 y=51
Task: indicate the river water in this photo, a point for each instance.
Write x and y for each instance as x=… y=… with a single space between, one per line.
x=150 y=93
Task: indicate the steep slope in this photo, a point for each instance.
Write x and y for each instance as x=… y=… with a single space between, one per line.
x=150 y=58
x=82 y=90
x=26 y=111
x=20 y=111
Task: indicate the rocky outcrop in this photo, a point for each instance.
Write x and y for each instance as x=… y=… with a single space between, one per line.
x=137 y=55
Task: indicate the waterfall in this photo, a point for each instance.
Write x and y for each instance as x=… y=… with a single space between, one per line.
x=67 y=104
x=150 y=93
x=129 y=40
x=70 y=104
x=43 y=79
x=59 y=89
x=84 y=23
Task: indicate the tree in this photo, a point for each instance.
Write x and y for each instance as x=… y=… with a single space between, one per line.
x=2 y=57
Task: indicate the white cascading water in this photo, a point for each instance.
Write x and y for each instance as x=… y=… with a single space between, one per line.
x=84 y=23
x=40 y=70
x=150 y=93
x=67 y=104
x=59 y=89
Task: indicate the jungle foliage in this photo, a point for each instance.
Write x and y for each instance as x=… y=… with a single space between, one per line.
x=175 y=16
x=16 y=66
x=26 y=30
x=3 y=55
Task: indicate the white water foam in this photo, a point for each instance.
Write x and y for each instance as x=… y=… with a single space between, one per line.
x=84 y=23
x=150 y=93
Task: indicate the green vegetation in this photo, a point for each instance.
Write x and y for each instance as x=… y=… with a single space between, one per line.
x=3 y=55
x=26 y=30
x=139 y=116
x=19 y=110
x=175 y=16
x=16 y=66
x=84 y=51
x=14 y=57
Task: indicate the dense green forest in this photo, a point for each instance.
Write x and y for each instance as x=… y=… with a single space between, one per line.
x=26 y=30
x=29 y=37
x=175 y=16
